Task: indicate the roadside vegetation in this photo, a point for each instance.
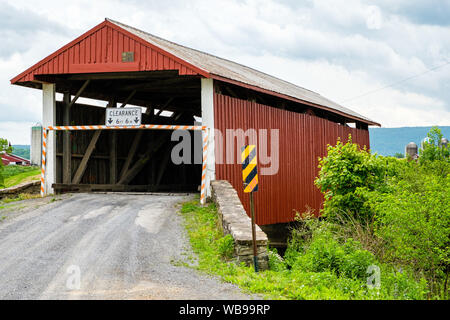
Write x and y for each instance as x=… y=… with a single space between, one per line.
x=384 y=232
x=13 y=175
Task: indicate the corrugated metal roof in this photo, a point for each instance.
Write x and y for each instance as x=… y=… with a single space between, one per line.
x=237 y=72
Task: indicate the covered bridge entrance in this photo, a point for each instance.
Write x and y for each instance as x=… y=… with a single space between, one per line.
x=175 y=85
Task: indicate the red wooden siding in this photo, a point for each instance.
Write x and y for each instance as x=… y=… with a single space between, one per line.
x=302 y=139
x=100 y=50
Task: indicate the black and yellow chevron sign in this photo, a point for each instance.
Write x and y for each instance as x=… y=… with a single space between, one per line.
x=249 y=168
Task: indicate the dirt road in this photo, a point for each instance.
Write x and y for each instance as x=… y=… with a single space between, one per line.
x=100 y=246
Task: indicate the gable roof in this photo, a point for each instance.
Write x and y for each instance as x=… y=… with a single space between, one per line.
x=99 y=50
x=226 y=69
x=13 y=158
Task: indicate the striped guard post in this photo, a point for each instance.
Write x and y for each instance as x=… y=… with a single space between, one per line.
x=204 y=161
x=44 y=156
x=249 y=168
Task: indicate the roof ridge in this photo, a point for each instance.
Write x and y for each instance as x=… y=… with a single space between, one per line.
x=211 y=55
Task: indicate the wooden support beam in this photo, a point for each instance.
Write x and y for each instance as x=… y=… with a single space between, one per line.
x=127 y=100
x=167 y=103
x=122 y=75
x=131 y=153
x=139 y=164
x=67 y=146
x=192 y=82
x=121 y=188
x=177 y=116
x=163 y=167
x=80 y=171
x=150 y=111
x=78 y=94
x=112 y=149
x=231 y=92
x=113 y=157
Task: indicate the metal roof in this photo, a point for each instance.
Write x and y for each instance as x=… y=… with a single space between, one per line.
x=227 y=69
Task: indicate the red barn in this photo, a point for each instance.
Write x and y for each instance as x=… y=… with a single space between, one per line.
x=121 y=65
x=13 y=159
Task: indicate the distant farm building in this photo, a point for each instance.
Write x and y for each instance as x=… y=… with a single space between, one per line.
x=177 y=85
x=11 y=159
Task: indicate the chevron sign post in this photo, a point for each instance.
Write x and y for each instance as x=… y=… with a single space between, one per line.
x=250 y=178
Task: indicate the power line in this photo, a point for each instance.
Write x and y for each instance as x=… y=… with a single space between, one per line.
x=398 y=82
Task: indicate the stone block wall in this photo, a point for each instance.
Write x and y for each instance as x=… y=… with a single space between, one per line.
x=32 y=187
x=235 y=221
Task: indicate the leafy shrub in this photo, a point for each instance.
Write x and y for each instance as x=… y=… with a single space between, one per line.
x=346 y=176
x=397 y=209
x=402 y=285
x=414 y=220
x=325 y=253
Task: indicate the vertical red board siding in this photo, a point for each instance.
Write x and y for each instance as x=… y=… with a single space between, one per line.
x=302 y=140
x=100 y=50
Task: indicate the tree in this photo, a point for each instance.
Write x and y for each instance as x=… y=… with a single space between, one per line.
x=432 y=150
x=5 y=146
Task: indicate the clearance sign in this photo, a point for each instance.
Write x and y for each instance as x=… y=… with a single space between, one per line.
x=249 y=168
x=123 y=117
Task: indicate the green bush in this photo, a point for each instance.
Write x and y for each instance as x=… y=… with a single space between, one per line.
x=414 y=220
x=284 y=282
x=346 y=176
x=326 y=253
x=398 y=209
x=402 y=285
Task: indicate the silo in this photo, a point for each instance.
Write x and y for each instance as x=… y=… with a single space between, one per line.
x=426 y=140
x=411 y=149
x=36 y=145
x=444 y=142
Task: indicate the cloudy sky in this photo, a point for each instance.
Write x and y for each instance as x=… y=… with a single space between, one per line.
x=388 y=60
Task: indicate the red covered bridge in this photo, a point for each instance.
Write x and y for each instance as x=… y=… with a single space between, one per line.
x=175 y=84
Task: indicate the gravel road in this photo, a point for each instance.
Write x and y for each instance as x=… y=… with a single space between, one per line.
x=101 y=246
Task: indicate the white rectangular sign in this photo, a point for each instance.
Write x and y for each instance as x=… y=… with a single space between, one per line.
x=123 y=117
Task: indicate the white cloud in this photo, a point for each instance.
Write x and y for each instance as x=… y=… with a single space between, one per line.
x=16 y=132
x=341 y=50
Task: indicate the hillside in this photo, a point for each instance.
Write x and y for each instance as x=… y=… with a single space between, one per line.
x=21 y=151
x=388 y=141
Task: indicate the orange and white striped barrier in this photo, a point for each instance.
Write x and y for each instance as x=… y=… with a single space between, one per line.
x=204 y=161
x=143 y=126
x=44 y=157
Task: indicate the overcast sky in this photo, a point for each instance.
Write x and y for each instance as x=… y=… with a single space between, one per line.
x=350 y=51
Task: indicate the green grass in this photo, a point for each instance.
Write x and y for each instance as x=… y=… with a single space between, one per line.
x=14 y=175
x=207 y=242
